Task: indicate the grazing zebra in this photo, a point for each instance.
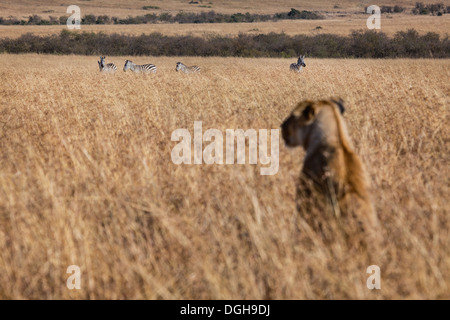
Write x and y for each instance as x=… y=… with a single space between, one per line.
x=145 y=68
x=187 y=69
x=299 y=65
x=110 y=67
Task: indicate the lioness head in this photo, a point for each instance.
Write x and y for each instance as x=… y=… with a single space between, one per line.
x=296 y=127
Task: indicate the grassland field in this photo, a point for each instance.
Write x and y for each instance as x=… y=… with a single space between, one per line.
x=340 y=18
x=334 y=25
x=122 y=9
x=86 y=178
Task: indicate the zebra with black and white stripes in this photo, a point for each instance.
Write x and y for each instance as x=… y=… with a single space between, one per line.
x=144 y=68
x=187 y=69
x=109 y=68
x=297 y=67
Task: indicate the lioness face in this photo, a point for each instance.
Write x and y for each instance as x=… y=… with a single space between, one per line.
x=295 y=127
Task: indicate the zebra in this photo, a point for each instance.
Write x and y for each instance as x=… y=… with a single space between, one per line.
x=299 y=65
x=110 y=67
x=145 y=68
x=187 y=69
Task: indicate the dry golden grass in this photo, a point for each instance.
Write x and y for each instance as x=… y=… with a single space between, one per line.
x=341 y=20
x=86 y=178
x=334 y=25
x=121 y=8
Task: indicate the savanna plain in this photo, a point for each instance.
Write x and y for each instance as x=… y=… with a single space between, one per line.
x=86 y=179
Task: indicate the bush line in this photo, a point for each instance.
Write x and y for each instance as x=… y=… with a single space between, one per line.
x=165 y=17
x=212 y=16
x=359 y=44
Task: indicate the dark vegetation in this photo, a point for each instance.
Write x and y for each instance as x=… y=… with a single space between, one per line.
x=359 y=44
x=437 y=9
x=181 y=17
x=389 y=9
x=394 y=9
x=434 y=9
x=420 y=8
x=151 y=7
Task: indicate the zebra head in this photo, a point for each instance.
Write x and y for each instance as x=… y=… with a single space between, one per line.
x=127 y=65
x=301 y=61
x=179 y=64
x=101 y=63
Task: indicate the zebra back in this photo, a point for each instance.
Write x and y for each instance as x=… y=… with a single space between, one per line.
x=295 y=67
x=110 y=67
x=186 y=69
x=299 y=65
x=145 y=68
x=148 y=68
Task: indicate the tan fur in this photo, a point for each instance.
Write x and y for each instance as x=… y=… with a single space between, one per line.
x=331 y=172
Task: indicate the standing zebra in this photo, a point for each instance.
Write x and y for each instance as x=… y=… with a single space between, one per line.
x=110 y=67
x=187 y=69
x=145 y=68
x=299 y=65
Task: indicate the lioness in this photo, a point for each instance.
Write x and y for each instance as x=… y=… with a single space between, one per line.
x=332 y=173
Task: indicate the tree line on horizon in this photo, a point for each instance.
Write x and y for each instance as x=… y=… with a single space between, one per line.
x=166 y=17
x=213 y=17
x=359 y=44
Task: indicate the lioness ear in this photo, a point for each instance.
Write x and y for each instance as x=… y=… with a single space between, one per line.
x=340 y=104
x=308 y=113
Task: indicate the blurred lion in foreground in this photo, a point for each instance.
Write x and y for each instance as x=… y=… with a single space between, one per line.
x=332 y=189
